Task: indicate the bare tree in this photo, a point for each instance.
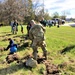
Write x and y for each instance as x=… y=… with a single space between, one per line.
x=56 y=15
x=21 y=10
x=13 y=9
x=64 y=14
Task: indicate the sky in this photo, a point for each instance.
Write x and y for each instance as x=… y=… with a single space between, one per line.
x=60 y=6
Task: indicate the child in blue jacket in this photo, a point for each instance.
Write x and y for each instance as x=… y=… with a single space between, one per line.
x=12 y=46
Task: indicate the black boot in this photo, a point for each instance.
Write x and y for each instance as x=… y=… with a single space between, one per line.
x=45 y=55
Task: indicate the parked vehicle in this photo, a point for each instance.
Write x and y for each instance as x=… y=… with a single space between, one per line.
x=57 y=19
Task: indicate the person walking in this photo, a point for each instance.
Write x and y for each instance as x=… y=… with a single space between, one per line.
x=43 y=22
x=36 y=34
x=21 y=29
x=11 y=24
x=28 y=28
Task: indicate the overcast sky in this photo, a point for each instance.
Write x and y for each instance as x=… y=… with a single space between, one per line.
x=59 y=6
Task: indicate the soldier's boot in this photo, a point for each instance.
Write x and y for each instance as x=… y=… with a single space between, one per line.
x=45 y=55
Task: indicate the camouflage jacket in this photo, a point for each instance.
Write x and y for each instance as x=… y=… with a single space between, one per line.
x=36 y=31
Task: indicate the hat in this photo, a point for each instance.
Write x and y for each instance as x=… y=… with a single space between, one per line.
x=32 y=21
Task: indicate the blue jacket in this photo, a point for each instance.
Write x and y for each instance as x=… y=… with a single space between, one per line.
x=12 y=46
x=13 y=49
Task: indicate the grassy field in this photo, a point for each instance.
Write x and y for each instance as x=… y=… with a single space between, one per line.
x=57 y=39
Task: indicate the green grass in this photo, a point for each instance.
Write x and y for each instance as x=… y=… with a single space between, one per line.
x=56 y=39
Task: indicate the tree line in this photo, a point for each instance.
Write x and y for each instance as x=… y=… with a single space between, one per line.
x=23 y=11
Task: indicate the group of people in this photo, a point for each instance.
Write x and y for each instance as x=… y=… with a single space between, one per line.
x=36 y=33
x=14 y=27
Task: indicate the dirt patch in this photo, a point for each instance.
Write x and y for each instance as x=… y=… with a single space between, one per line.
x=41 y=59
x=12 y=57
x=63 y=65
x=1 y=49
x=52 y=69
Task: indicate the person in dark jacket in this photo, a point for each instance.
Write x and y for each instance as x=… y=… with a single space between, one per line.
x=43 y=22
x=15 y=27
x=12 y=46
x=28 y=28
x=22 y=31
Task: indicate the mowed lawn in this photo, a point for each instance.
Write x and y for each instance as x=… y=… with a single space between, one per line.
x=57 y=39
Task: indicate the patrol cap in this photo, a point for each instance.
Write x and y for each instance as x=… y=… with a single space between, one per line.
x=32 y=21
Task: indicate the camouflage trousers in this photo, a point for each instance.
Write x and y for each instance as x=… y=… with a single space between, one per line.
x=38 y=43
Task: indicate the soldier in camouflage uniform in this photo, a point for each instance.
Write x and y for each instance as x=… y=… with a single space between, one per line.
x=36 y=34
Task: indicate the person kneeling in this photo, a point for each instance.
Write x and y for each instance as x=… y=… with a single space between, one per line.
x=13 y=49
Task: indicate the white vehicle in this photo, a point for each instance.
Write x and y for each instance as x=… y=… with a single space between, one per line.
x=57 y=19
